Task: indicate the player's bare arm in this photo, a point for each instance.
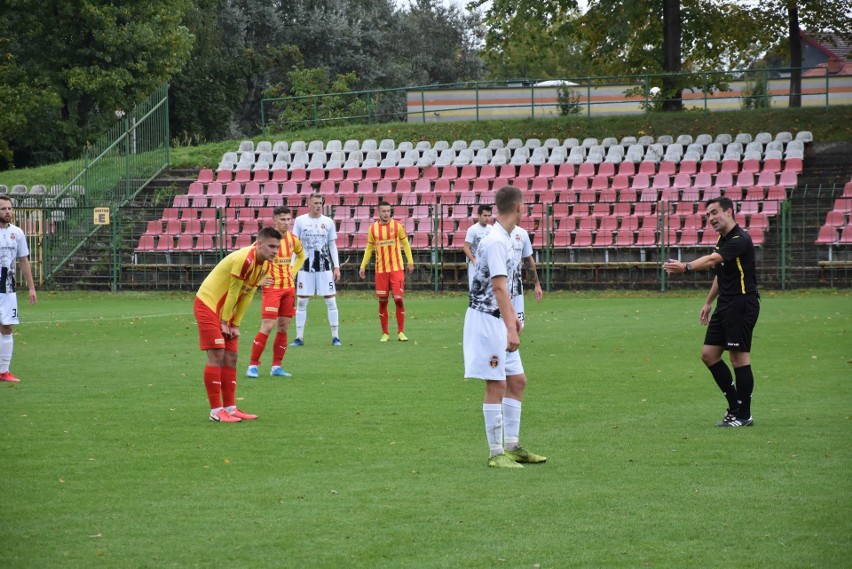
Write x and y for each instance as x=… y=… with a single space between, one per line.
x=704 y=315
x=673 y=266
x=27 y=271
x=539 y=292
x=468 y=254
x=507 y=311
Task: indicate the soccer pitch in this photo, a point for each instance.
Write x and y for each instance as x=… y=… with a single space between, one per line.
x=373 y=455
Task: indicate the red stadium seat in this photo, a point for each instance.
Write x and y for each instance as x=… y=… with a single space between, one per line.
x=827 y=235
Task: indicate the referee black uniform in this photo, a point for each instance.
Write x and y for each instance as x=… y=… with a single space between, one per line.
x=733 y=321
x=738 y=304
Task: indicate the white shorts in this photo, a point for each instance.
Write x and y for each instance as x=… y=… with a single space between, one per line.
x=8 y=309
x=310 y=284
x=484 y=344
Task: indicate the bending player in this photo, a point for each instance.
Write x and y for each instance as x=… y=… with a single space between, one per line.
x=220 y=304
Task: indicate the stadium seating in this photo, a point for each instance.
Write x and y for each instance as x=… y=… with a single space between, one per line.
x=602 y=194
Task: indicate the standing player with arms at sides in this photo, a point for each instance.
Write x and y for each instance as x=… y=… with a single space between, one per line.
x=387 y=236
x=13 y=246
x=737 y=309
x=522 y=249
x=220 y=304
x=321 y=269
x=474 y=235
x=279 y=298
x=491 y=337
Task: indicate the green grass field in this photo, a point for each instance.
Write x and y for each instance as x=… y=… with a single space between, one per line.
x=373 y=455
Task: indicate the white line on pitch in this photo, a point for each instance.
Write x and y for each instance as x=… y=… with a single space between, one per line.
x=25 y=321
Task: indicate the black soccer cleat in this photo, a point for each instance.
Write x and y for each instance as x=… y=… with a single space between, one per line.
x=735 y=421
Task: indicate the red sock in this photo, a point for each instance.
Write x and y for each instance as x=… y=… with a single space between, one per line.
x=400 y=314
x=383 y=314
x=229 y=386
x=257 y=348
x=213 y=385
x=279 y=348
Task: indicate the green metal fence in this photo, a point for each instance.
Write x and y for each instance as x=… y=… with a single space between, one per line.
x=111 y=172
x=116 y=256
x=589 y=96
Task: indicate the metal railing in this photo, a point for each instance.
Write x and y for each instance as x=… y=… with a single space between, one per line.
x=117 y=258
x=589 y=96
x=111 y=172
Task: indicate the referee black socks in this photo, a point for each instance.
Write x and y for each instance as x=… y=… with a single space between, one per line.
x=745 y=385
x=722 y=375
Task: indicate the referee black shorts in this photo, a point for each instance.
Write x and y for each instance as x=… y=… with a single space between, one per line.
x=733 y=322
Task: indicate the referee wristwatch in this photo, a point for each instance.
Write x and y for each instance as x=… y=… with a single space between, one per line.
x=687 y=268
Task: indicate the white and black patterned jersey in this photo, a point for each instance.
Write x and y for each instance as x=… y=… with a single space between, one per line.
x=13 y=244
x=315 y=234
x=494 y=260
x=521 y=249
x=475 y=234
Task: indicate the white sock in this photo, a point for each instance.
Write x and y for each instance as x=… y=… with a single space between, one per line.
x=7 y=342
x=493 y=413
x=214 y=411
x=301 y=316
x=511 y=422
x=231 y=408
x=331 y=303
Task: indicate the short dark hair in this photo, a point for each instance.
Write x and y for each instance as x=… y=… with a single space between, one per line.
x=383 y=203
x=724 y=203
x=7 y=198
x=483 y=208
x=268 y=233
x=281 y=209
x=507 y=198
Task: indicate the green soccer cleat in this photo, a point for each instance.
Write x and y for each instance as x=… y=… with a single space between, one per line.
x=402 y=337
x=502 y=460
x=384 y=338
x=521 y=454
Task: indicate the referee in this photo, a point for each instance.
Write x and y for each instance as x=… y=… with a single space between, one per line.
x=731 y=326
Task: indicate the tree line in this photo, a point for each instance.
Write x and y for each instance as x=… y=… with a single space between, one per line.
x=67 y=66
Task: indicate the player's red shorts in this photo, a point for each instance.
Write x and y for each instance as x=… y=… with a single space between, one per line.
x=278 y=303
x=210 y=329
x=393 y=282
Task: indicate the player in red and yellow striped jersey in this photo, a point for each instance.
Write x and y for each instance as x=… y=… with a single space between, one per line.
x=279 y=298
x=387 y=236
x=220 y=304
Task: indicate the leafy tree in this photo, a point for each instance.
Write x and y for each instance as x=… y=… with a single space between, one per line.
x=20 y=102
x=95 y=56
x=532 y=39
x=789 y=17
x=313 y=111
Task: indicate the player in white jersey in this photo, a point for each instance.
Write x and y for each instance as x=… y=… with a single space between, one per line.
x=321 y=269
x=491 y=337
x=475 y=234
x=13 y=247
x=522 y=249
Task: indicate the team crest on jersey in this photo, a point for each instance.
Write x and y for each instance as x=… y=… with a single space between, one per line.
x=494 y=361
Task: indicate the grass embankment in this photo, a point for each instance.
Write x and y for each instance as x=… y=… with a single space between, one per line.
x=831 y=125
